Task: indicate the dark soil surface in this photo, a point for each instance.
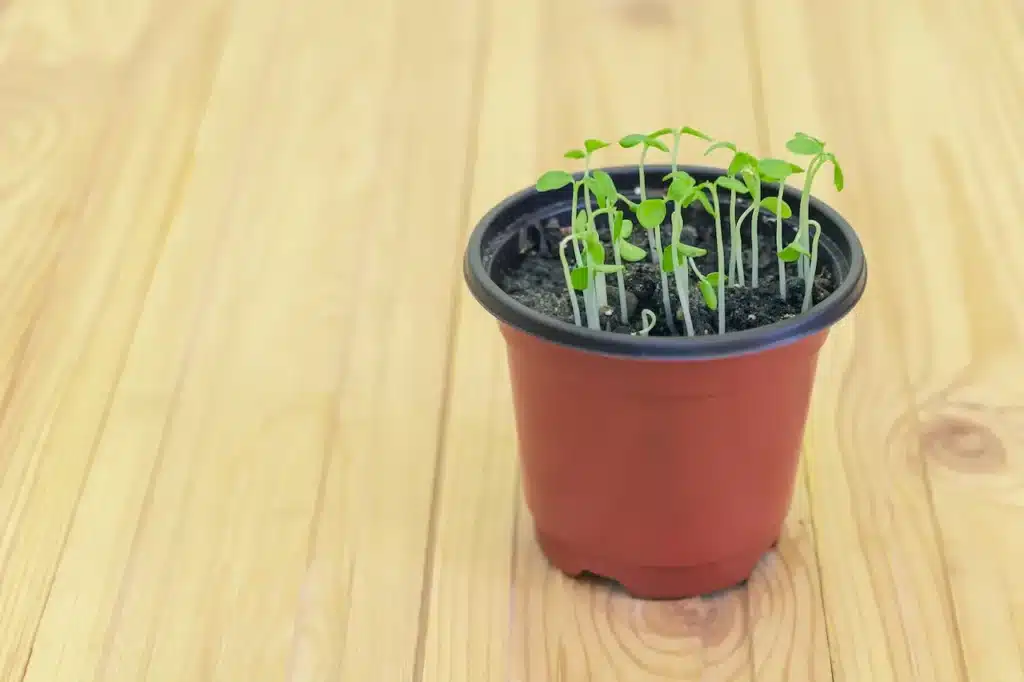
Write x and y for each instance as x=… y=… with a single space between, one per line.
x=539 y=282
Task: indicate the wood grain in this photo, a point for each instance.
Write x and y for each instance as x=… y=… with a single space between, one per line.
x=253 y=427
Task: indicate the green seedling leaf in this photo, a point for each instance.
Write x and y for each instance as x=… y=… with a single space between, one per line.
x=679 y=175
x=651 y=213
x=666 y=259
x=720 y=145
x=552 y=180
x=780 y=209
x=804 y=145
x=607 y=269
x=594 y=145
x=627 y=229
x=580 y=278
x=630 y=141
x=681 y=187
x=603 y=187
x=791 y=253
x=579 y=225
x=575 y=154
x=774 y=170
x=713 y=278
x=809 y=137
x=741 y=161
x=631 y=252
x=750 y=180
x=708 y=292
x=691 y=251
x=693 y=132
x=616 y=226
x=659 y=133
x=732 y=184
x=656 y=143
x=837 y=174
x=705 y=202
x=683 y=251
x=595 y=254
x=595 y=250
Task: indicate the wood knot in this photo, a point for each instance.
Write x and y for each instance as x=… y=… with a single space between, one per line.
x=963 y=445
x=709 y=619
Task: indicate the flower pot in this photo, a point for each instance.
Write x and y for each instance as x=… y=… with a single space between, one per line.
x=666 y=464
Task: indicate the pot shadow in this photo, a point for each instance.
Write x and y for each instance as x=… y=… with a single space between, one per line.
x=589 y=578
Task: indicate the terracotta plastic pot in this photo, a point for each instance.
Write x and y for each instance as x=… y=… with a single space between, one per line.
x=666 y=464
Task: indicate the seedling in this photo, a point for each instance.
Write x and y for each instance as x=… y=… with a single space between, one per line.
x=649 y=320
x=678 y=256
x=586 y=272
x=777 y=170
x=590 y=258
x=646 y=142
x=716 y=211
x=739 y=161
x=606 y=194
x=805 y=145
x=651 y=214
x=809 y=282
x=570 y=281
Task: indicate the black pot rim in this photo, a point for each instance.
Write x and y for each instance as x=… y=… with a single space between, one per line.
x=513 y=313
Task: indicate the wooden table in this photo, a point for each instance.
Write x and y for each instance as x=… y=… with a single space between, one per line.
x=252 y=426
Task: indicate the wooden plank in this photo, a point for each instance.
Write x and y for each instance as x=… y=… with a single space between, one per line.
x=84 y=259
x=888 y=607
x=277 y=415
x=466 y=632
x=970 y=425
x=498 y=610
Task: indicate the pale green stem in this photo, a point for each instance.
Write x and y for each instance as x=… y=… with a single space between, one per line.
x=809 y=281
x=666 y=298
x=681 y=273
x=778 y=243
x=599 y=281
x=736 y=250
x=653 y=236
x=739 y=223
x=572 y=220
x=568 y=278
x=754 y=234
x=590 y=301
x=623 y=313
x=721 y=263
x=805 y=207
x=648 y=319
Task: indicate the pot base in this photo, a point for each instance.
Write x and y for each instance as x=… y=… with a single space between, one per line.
x=654 y=582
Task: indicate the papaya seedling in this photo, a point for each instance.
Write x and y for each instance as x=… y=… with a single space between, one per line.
x=570 y=280
x=651 y=214
x=809 y=279
x=777 y=170
x=745 y=175
x=583 y=223
x=606 y=194
x=648 y=321
x=744 y=165
x=806 y=145
x=716 y=210
x=589 y=147
x=646 y=142
x=677 y=256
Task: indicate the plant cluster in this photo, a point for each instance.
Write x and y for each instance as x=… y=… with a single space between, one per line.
x=601 y=200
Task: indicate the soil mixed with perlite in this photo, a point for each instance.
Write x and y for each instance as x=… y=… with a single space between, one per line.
x=539 y=282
